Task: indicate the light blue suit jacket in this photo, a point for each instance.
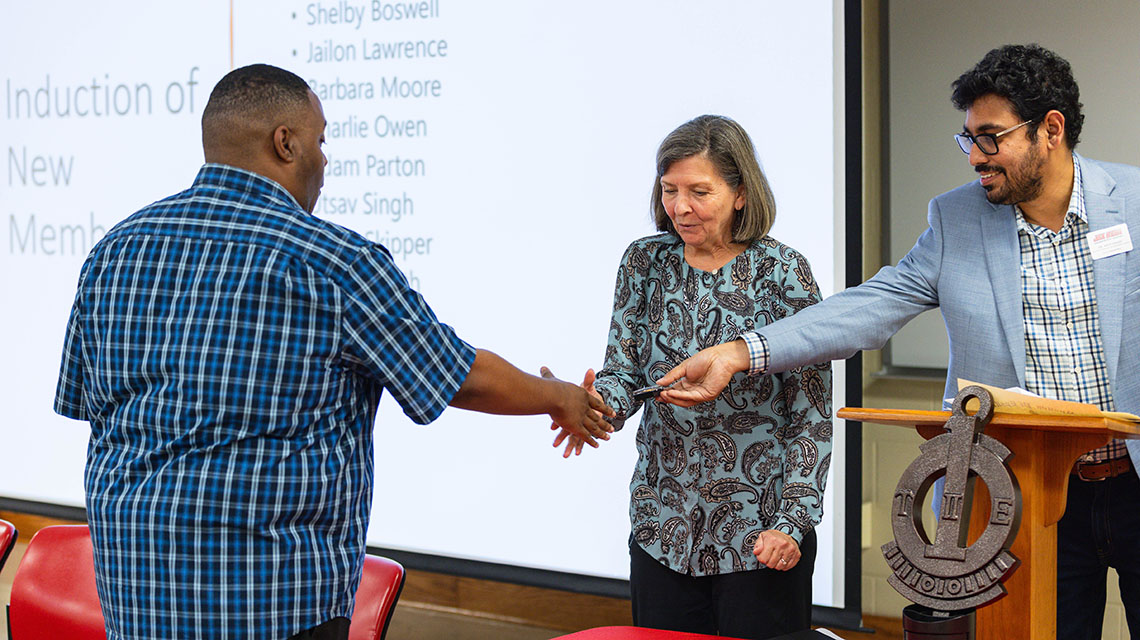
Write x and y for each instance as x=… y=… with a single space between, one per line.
x=968 y=264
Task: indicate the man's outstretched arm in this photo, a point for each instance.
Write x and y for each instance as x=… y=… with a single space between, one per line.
x=494 y=385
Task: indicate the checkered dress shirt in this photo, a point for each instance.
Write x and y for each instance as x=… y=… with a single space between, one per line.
x=1064 y=356
x=229 y=351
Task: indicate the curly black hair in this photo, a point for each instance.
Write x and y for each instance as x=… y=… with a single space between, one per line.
x=1033 y=79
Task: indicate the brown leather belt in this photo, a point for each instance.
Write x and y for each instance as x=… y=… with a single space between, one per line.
x=1097 y=471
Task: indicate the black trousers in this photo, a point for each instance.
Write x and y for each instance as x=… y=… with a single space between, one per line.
x=755 y=604
x=1100 y=529
x=335 y=629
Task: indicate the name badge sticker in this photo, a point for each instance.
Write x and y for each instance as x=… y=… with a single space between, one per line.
x=1109 y=242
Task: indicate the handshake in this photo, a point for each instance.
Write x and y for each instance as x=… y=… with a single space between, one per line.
x=697 y=379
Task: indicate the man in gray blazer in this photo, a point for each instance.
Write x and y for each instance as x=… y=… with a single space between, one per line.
x=1032 y=267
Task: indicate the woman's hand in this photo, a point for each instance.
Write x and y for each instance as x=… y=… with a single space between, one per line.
x=573 y=442
x=579 y=419
x=776 y=550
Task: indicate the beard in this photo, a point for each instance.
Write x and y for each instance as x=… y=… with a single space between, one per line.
x=1023 y=182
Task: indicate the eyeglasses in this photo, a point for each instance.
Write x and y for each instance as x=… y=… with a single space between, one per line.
x=987 y=142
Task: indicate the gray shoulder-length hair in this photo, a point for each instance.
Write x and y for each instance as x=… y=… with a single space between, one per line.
x=730 y=150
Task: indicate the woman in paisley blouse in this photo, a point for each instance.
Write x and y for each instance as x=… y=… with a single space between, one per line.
x=726 y=494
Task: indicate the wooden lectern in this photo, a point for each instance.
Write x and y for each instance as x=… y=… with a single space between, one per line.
x=1044 y=450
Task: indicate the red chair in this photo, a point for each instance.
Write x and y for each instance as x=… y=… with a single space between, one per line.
x=8 y=535
x=380 y=588
x=54 y=596
x=53 y=593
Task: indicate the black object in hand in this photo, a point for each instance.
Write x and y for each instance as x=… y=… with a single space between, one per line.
x=646 y=393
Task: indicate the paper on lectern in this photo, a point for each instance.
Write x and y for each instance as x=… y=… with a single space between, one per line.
x=1017 y=400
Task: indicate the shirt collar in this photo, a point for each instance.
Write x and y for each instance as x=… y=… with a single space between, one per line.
x=1076 y=208
x=229 y=177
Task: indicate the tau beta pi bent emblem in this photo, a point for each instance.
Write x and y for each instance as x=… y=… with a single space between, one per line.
x=946 y=574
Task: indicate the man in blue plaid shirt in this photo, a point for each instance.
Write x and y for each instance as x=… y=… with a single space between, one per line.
x=229 y=350
x=1033 y=269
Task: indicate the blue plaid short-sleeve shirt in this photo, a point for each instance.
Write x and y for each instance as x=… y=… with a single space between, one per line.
x=229 y=351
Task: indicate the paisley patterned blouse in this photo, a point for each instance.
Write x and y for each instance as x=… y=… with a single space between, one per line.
x=710 y=478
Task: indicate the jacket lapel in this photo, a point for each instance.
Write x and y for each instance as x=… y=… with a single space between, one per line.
x=1105 y=211
x=1003 y=260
